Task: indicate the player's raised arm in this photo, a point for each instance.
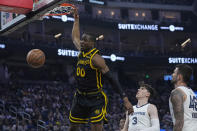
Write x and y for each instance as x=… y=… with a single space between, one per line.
x=76 y=30
x=126 y=124
x=99 y=63
x=153 y=113
x=177 y=99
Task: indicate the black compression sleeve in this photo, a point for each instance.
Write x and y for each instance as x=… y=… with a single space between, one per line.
x=115 y=84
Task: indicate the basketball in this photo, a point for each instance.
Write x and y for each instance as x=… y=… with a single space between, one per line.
x=35 y=58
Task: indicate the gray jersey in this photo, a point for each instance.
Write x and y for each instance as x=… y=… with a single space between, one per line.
x=190 y=110
x=140 y=118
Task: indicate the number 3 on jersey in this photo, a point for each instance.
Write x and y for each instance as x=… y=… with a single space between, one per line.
x=81 y=72
x=134 y=120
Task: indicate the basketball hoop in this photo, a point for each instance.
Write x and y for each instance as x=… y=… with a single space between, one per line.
x=63 y=9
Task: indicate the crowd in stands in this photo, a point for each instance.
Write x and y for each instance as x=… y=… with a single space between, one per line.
x=41 y=99
x=26 y=101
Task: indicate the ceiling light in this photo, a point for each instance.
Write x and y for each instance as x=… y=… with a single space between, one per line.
x=57 y=35
x=112 y=13
x=136 y=14
x=99 y=12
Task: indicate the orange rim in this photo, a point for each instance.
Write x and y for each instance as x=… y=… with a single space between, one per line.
x=66 y=4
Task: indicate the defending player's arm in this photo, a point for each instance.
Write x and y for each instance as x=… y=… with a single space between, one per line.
x=177 y=99
x=99 y=62
x=153 y=113
x=76 y=30
x=126 y=124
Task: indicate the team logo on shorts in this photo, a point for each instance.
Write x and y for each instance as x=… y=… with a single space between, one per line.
x=97 y=111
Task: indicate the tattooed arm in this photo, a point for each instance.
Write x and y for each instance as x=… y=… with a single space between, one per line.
x=177 y=99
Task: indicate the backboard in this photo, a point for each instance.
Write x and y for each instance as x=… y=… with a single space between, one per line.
x=12 y=21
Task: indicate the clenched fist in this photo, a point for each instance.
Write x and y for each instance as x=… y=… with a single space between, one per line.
x=128 y=105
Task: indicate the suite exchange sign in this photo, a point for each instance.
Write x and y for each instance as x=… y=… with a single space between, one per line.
x=73 y=53
x=137 y=27
x=177 y=60
x=148 y=27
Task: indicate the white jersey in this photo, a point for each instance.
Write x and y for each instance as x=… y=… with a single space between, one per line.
x=190 y=110
x=140 y=119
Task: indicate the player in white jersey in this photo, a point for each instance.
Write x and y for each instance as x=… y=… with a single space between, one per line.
x=145 y=116
x=183 y=102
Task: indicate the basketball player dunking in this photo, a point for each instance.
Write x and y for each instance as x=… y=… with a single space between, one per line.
x=145 y=116
x=183 y=102
x=90 y=102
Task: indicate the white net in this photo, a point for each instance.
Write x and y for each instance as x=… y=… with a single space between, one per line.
x=60 y=10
